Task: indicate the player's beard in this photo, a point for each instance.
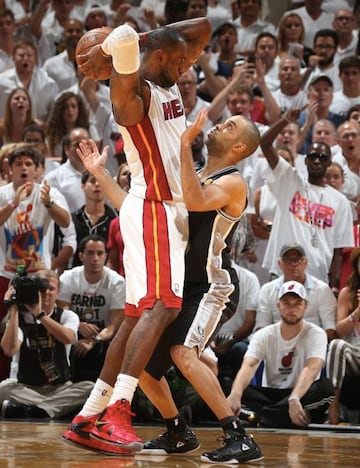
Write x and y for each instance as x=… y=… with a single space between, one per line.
x=166 y=80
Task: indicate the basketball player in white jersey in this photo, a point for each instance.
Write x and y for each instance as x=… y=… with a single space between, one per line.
x=147 y=105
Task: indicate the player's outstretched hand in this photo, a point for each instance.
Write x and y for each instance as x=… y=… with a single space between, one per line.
x=195 y=128
x=93 y=160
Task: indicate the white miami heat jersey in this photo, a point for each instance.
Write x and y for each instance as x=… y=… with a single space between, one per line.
x=153 y=147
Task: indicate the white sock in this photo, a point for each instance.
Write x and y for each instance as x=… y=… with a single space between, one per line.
x=124 y=388
x=98 y=399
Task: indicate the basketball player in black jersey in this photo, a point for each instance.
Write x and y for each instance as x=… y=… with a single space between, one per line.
x=216 y=198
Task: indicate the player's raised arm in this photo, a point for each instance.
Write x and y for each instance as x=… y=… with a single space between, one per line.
x=197 y=34
x=167 y=53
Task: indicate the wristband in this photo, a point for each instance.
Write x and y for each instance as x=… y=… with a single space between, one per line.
x=296 y=398
x=13 y=204
x=41 y=315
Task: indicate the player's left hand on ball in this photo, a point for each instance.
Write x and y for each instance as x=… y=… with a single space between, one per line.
x=92 y=63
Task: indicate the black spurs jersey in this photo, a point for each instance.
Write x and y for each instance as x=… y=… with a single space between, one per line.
x=207 y=257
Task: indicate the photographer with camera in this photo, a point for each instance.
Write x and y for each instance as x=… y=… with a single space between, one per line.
x=38 y=337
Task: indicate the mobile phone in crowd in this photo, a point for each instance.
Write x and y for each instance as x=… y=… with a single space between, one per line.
x=295 y=49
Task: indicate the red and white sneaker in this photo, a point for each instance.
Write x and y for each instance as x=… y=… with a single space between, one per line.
x=114 y=427
x=78 y=433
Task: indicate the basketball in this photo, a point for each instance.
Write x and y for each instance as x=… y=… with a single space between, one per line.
x=87 y=41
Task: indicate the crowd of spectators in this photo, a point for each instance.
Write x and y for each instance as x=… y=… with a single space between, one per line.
x=294 y=69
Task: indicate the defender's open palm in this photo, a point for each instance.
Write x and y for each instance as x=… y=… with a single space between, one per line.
x=89 y=154
x=195 y=128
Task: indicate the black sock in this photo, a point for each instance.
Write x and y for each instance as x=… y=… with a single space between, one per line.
x=232 y=423
x=177 y=424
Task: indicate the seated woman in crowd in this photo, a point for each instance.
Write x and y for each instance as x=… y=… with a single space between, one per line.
x=344 y=353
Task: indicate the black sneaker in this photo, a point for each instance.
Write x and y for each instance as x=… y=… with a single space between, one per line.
x=172 y=442
x=237 y=448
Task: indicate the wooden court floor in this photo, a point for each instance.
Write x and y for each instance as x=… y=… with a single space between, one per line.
x=38 y=444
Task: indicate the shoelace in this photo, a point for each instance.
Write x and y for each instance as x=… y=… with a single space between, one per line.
x=224 y=438
x=122 y=408
x=162 y=437
x=126 y=406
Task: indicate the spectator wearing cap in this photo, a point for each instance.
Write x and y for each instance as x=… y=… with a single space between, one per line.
x=95 y=17
x=322 y=62
x=320 y=96
x=309 y=212
x=293 y=350
x=321 y=302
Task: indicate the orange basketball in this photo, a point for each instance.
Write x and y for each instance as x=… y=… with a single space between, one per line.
x=90 y=39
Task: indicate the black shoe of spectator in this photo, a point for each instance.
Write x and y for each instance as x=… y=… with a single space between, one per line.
x=10 y=409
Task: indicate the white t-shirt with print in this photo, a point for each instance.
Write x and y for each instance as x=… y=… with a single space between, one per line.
x=285 y=359
x=92 y=302
x=305 y=210
x=26 y=237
